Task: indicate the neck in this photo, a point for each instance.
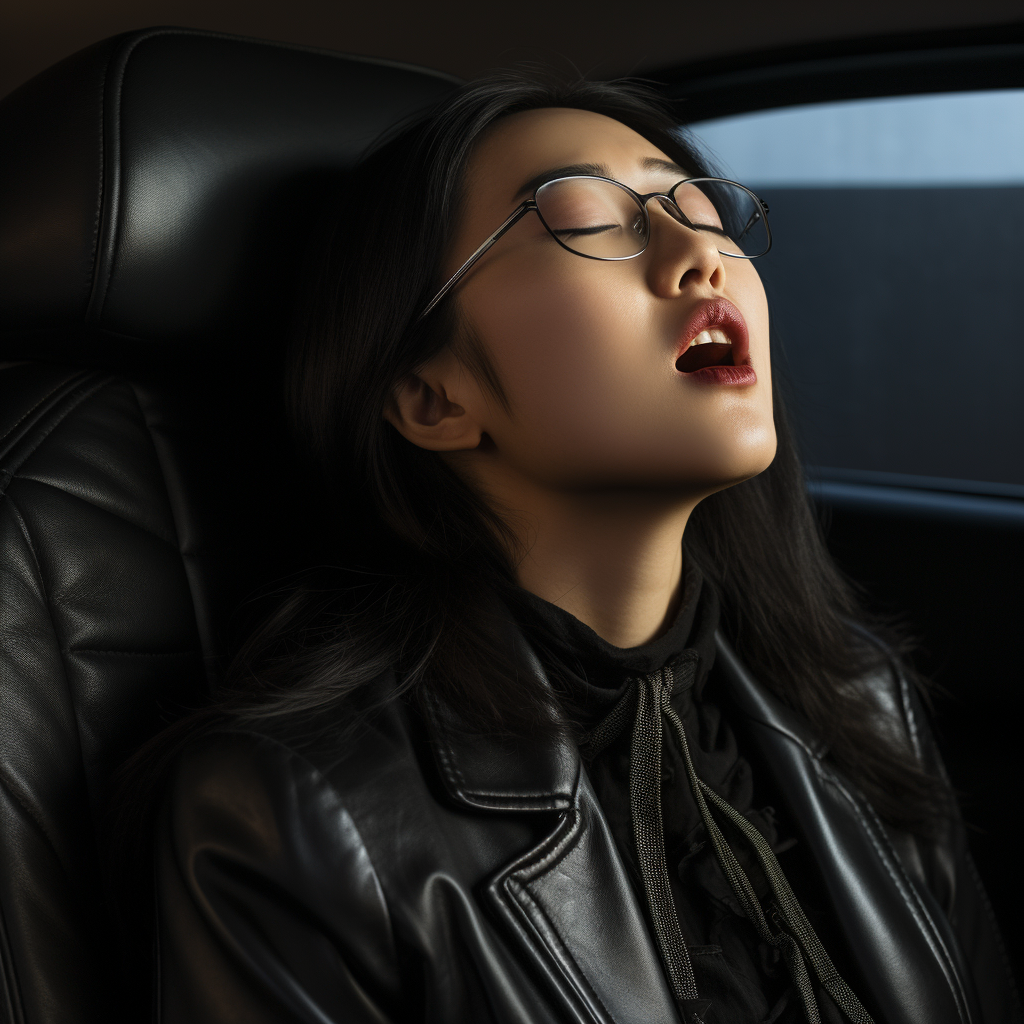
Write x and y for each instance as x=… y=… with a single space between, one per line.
x=614 y=561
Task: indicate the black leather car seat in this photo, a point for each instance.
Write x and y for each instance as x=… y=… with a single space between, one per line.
x=156 y=196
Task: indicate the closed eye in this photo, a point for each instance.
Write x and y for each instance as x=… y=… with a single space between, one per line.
x=718 y=230
x=579 y=232
x=714 y=229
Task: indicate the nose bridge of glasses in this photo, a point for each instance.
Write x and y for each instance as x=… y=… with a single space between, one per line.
x=667 y=202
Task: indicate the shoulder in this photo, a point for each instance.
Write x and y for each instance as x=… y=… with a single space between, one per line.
x=264 y=874
x=899 y=711
x=900 y=714
x=251 y=798
x=240 y=768
x=266 y=786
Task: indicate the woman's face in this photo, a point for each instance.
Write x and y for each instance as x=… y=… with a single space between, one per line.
x=587 y=350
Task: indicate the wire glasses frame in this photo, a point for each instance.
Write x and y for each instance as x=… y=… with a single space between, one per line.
x=668 y=202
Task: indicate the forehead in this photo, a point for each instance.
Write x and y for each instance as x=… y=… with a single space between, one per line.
x=521 y=146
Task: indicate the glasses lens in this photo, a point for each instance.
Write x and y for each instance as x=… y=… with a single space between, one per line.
x=728 y=211
x=593 y=217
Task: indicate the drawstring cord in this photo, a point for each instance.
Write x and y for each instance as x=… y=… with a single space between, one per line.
x=793 y=936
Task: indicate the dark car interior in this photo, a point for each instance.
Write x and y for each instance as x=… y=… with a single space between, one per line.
x=159 y=193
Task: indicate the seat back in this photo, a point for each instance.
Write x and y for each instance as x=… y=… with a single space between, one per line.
x=156 y=200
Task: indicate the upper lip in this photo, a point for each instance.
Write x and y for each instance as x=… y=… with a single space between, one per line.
x=720 y=313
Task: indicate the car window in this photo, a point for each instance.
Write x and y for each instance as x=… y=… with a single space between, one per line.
x=895 y=279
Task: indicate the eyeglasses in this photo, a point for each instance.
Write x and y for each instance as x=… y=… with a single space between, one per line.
x=602 y=219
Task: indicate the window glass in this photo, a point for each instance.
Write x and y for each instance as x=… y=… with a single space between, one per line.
x=896 y=277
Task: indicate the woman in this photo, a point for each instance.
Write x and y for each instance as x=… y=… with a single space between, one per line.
x=598 y=734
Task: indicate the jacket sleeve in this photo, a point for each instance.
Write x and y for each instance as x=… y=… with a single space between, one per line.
x=269 y=910
x=950 y=873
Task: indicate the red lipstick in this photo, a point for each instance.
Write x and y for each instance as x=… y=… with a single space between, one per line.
x=725 y=375
x=722 y=315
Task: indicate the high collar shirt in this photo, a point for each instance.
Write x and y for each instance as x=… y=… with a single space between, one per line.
x=744 y=978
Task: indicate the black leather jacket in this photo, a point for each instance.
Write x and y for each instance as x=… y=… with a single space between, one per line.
x=424 y=875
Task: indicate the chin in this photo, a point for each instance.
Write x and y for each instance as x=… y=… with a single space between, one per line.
x=728 y=464
x=760 y=459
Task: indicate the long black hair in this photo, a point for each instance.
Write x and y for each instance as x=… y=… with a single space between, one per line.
x=429 y=551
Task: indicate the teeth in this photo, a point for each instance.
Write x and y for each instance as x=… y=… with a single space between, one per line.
x=707 y=337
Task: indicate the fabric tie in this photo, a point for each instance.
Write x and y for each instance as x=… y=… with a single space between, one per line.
x=648 y=701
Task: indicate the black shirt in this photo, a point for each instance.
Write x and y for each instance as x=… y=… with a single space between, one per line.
x=742 y=976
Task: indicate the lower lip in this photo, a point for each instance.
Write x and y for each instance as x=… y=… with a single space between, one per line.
x=735 y=375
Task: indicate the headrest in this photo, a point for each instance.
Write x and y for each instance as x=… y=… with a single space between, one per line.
x=159 y=188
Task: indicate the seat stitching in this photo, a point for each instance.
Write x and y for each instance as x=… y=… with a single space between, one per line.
x=49 y=394
x=26 y=533
x=12 y=990
x=108 y=212
x=90 y=274
x=133 y=654
x=100 y=508
x=9 y=787
x=107 y=207
x=64 y=415
x=188 y=558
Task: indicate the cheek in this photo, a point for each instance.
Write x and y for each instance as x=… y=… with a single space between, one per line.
x=574 y=352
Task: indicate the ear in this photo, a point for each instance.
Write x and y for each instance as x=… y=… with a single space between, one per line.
x=423 y=412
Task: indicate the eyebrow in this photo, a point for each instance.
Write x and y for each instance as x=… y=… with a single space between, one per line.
x=647 y=163
x=655 y=163
x=537 y=180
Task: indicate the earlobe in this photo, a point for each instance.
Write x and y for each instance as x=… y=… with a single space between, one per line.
x=423 y=414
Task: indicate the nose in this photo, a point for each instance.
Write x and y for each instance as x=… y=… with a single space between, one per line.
x=680 y=256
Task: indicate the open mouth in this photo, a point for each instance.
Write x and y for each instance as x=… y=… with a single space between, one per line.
x=709 y=348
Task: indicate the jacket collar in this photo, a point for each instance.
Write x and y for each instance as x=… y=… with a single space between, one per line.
x=494 y=773
x=596 y=954
x=491 y=773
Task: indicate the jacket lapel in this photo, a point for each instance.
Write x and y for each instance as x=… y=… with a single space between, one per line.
x=901 y=941
x=566 y=904
x=569 y=907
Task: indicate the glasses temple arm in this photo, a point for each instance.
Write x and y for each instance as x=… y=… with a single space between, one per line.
x=459 y=274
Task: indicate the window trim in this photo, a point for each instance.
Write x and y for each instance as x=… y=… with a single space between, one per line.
x=991 y=57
